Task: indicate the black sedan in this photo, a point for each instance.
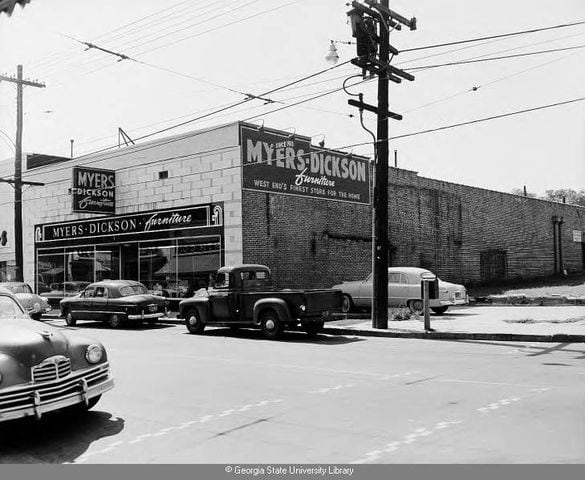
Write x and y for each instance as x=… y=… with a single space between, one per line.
x=43 y=368
x=113 y=302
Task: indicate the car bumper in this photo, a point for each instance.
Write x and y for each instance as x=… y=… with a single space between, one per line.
x=146 y=316
x=450 y=302
x=36 y=399
x=32 y=311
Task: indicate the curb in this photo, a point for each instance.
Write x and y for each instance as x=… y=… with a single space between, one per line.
x=503 y=337
x=523 y=300
x=434 y=335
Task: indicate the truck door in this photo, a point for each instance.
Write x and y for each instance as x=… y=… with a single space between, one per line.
x=220 y=297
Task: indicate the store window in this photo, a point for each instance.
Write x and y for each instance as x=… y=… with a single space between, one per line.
x=158 y=270
x=80 y=266
x=50 y=272
x=178 y=270
x=107 y=263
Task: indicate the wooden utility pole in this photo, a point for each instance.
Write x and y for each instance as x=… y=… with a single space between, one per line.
x=17 y=182
x=377 y=61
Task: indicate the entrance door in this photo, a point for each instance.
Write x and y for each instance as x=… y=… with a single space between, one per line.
x=129 y=263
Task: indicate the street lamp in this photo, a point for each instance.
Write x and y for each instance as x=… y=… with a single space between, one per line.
x=332 y=56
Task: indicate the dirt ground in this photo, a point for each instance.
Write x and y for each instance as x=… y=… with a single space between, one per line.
x=572 y=286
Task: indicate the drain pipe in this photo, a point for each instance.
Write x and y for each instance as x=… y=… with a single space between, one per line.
x=555 y=219
x=560 y=240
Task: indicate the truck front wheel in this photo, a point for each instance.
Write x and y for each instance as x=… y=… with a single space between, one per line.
x=271 y=326
x=193 y=322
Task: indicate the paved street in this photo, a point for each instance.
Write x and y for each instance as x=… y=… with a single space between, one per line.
x=236 y=398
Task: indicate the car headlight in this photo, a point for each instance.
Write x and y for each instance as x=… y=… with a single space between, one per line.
x=94 y=353
x=302 y=307
x=37 y=307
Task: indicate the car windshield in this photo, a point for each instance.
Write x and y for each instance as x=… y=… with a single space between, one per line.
x=10 y=308
x=17 y=287
x=137 y=289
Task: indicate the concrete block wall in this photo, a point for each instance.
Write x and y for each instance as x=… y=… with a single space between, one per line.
x=203 y=167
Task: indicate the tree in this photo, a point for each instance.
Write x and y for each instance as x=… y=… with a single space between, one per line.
x=7 y=6
x=520 y=191
x=567 y=195
x=562 y=195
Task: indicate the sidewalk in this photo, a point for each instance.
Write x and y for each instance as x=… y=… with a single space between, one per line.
x=532 y=323
x=524 y=322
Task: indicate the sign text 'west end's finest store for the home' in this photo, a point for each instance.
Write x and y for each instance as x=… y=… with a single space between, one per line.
x=273 y=162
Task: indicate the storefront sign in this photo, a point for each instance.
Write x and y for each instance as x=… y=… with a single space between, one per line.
x=93 y=190
x=139 y=223
x=273 y=162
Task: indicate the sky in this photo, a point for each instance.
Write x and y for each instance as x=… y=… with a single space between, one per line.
x=192 y=58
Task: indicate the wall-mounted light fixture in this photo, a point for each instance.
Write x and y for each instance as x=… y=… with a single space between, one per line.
x=322 y=142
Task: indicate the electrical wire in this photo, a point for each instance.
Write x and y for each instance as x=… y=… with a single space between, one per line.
x=490 y=37
x=264 y=12
x=485 y=119
x=489 y=59
x=345 y=147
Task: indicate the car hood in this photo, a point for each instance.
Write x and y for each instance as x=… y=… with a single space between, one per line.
x=450 y=286
x=28 y=300
x=30 y=342
x=347 y=284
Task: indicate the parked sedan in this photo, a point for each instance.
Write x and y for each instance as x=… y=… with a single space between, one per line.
x=43 y=368
x=404 y=290
x=113 y=302
x=62 y=290
x=34 y=304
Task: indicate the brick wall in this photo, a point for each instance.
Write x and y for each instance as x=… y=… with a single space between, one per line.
x=447 y=228
x=308 y=243
x=442 y=226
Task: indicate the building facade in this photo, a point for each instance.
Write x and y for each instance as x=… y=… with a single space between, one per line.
x=170 y=212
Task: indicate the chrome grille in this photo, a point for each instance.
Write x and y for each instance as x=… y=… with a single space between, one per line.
x=52 y=368
x=14 y=399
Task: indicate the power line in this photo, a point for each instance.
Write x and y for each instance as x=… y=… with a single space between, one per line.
x=485 y=119
x=222 y=26
x=479 y=39
x=479 y=60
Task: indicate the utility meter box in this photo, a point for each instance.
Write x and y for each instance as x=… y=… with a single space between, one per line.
x=433 y=283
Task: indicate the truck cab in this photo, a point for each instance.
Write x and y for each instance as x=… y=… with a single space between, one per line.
x=245 y=296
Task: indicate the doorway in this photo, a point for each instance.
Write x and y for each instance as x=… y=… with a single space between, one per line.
x=129 y=263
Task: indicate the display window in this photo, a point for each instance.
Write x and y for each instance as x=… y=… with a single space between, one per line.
x=173 y=268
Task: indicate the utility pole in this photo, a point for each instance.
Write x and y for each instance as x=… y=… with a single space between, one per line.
x=17 y=182
x=363 y=21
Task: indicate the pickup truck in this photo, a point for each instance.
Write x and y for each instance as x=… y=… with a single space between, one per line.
x=244 y=296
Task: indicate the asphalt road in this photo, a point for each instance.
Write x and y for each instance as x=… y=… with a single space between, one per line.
x=236 y=398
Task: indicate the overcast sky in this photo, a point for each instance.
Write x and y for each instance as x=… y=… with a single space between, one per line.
x=193 y=57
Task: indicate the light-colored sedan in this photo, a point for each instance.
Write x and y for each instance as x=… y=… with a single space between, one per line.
x=34 y=304
x=404 y=290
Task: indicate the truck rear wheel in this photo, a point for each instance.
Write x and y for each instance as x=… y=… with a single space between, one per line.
x=271 y=326
x=193 y=322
